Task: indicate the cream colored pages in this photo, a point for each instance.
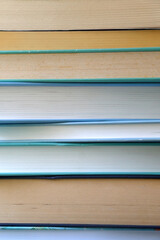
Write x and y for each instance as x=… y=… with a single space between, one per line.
x=80 y=65
x=81 y=201
x=79 y=14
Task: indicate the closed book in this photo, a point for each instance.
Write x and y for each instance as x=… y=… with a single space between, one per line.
x=65 y=102
x=85 y=131
x=77 y=234
x=60 y=40
x=80 y=201
x=79 y=14
x=115 y=63
x=96 y=159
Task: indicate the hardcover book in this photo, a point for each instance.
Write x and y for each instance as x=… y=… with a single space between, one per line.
x=80 y=201
x=29 y=159
x=60 y=40
x=85 y=131
x=79 y=14
x=76 y=234
x=66 y=102
x=80 y=64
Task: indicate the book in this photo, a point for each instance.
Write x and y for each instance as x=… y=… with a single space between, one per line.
x=109 y=131
x=80 y=64
x=34 y=102
x=80 y=201
x=78 y=40
x=78 y=15
x=72 y=159
x=78 y=234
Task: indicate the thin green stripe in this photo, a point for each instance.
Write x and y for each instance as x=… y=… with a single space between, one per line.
x=49 y=228
x=76 y=228
x=79 y=144
x=146 y=49
x=6 y=174
x=87 y=80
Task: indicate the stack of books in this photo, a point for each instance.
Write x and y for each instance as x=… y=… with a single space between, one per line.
x=80 y=116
